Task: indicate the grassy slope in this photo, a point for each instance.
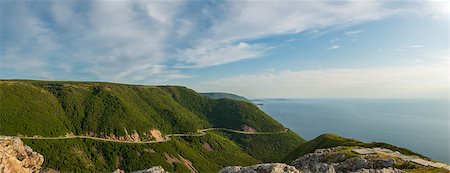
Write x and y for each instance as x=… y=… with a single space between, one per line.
x=225 y=112
x=331 y=140
x=267 y=147
x=27 y=109
x=84 y=155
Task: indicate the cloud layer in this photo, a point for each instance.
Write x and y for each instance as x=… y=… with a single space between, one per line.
x=421 y=80
x=151 y=41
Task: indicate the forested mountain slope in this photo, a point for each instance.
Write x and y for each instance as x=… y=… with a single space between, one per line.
x=84 y=107
x=56 y=108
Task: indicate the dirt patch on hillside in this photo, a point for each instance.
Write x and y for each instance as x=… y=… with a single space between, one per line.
x=149 y=150
x=247 y=128
x=188 y=164
x=157 y=134
x=171 y=159
x=207 y=147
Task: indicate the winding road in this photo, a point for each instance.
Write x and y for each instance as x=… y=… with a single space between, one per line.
x=167 y=137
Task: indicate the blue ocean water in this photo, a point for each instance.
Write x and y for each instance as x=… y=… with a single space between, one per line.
x=420 y=125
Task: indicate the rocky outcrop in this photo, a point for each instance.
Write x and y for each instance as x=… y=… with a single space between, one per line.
x=17 y=157
x=247 y=128
x=340 y=159
x=332 y=160
x=261 y=168
x=155 y=169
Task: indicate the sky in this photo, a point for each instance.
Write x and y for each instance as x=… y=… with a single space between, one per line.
x=258 y=49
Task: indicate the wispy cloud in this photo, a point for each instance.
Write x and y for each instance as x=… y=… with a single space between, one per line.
x=354 y=32
x=416 y=46
x=353 y=35
x=420 y=80
x=219 y=54
x=147 y=41
x=334 y=45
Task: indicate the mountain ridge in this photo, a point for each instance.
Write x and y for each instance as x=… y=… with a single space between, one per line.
x=121 y=111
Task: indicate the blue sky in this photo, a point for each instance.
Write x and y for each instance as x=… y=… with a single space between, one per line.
x=290 y=49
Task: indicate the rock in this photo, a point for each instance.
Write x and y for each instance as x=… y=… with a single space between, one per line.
x=384 y=170
x=332 y=160
x=261 y=168
x=119 y=171
x=247 y=128
x=155 y=169
x=360 y=163
x=388 y=162
x=135 y=136
x=231 y=169
x=17 y=157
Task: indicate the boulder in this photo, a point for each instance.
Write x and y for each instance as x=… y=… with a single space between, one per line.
x=17 y=157
x=359 y=164
x=388 y=162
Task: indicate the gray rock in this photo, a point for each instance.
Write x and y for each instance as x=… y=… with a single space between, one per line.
x=360 y=163
x=261 y=168
x=231 y=169
x=155 y=169
x=388 y=162
x=384 y=170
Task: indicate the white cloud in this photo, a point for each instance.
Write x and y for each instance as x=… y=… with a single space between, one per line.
x=247 y=20
x=438 y=9
x=420 y=80
x=131 y=41
x=220 y=54
x=354 y=32
x=120 y=41
x=354 y=35
x=416 y=46
x=333 y=47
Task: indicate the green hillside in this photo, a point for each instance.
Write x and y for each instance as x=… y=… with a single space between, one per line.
x=54 y=108
x=85 y=155
x=267 y=148
x=83 y=107
x=332 y=140
x=219 y=95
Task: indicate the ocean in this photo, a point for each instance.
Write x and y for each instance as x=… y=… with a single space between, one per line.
x=421 y=125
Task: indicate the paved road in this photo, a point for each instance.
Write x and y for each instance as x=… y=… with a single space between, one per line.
x=167 y=137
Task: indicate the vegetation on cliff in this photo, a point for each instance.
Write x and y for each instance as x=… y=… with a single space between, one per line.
x=332 y=140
